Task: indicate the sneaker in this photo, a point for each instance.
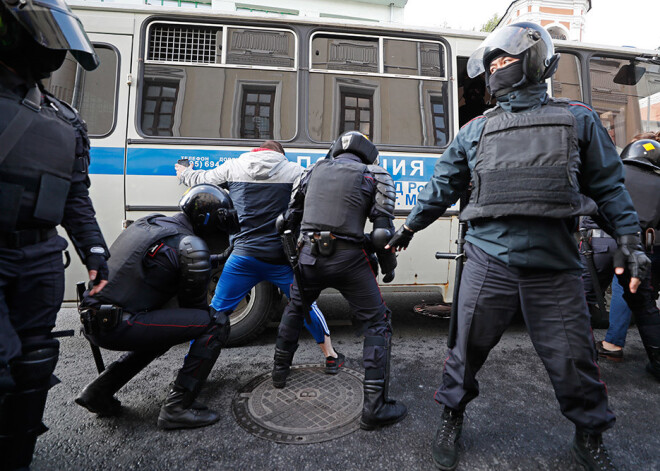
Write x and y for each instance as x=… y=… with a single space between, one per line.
x=613 y=355
x=333 y=364
x=445 y=443
x=590 y=452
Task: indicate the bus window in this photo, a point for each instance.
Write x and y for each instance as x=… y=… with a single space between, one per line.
x=567 y=81
x=626 y=95
x=398 y=99
x=473 y=97
x=93 y=93
x=196 y=86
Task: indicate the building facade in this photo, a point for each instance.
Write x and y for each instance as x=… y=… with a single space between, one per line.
x=564 y=19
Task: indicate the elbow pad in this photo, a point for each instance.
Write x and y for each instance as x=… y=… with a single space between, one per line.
x=195 y=266
x=385 y=198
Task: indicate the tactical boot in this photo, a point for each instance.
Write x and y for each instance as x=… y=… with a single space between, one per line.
x=445 y=444
x=377 y=410
x=98 y=396
x=282 y=366
x=590 y=452
x=179 y=411
x=653 y=365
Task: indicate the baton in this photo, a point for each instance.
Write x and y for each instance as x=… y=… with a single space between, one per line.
x=459 y=256
x=96 y=351
x=291 y=251
x=588 y=252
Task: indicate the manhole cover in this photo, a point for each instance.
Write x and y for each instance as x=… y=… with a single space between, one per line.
x=312 y=408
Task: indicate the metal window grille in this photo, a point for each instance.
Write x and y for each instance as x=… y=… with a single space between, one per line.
x=353 y=56
x=185 y=43
x=265 y=48
x=430 y=61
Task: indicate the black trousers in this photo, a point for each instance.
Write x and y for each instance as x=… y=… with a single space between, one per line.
x=349 y=272
x=554 y=309
x=31 y=293
x=157 y=331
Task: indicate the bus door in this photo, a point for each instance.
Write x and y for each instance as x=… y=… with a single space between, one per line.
x=101 y=96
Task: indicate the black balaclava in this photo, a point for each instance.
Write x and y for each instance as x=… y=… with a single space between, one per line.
x=508 y=78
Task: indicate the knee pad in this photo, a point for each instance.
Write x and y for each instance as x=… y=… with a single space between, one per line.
x=21 y=409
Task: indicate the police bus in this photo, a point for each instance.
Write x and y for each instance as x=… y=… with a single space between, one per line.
x=207 y=86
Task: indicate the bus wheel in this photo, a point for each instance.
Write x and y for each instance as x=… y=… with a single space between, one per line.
x=252 y=314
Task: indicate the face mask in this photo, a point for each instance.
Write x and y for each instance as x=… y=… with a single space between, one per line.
x=503 y=80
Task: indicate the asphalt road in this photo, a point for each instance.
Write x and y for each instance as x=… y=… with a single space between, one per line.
x=515 y=423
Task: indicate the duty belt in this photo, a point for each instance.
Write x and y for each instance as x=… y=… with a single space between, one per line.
x=20 y=239
x=103 y=318
x=325 y=243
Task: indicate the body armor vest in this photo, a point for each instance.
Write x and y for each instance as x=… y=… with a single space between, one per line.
x=126 y=284
x=643 y=184
x=527 y=164
x=35 y=177
x=334 y=200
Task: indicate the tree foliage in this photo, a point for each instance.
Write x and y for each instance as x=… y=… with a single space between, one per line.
x=491 y=24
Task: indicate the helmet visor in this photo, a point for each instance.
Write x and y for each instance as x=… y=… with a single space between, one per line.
x=52 y=24
x=511 y=39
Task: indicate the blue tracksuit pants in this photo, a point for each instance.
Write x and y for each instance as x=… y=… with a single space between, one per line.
x=241 y=273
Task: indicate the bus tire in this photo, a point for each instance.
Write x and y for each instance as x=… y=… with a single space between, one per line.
x=253 y=313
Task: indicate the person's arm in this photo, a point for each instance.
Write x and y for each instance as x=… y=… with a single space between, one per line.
x=382 y=215
x=215 y=176
x=294 y=213
x=451 y=177
x=601 y=179
x=79 y=219
x=601 y=172
x=195 y=270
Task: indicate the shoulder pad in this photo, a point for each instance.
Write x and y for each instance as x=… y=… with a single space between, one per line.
x=193 y=246
x=385 y=192
x=67 y=111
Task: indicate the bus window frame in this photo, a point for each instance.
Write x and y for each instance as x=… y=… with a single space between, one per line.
x=584 y=73
x=447 y=78
x=116 y=95
x=183 y=140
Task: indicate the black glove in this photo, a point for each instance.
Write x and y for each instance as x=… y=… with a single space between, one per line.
x=401 y=238
x=630 y=254
x=388 y=277
x=97 y=262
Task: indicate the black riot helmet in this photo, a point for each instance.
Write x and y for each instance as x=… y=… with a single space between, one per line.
x=50 y=24
x=529 y=41
x=644 y=153
x=209 y=210
x=355 y=143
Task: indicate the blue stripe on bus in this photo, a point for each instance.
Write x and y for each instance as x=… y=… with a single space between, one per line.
x=160 y=162
x=107 y=160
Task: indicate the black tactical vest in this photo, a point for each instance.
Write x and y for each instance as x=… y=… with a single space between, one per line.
x=334 y=200
x=36 y=174
x=527 y=164
x=126 y=284
x=643 y=184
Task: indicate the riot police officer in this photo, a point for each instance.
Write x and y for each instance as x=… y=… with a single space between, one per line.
x=331 y=205
x=154 y=258
x=641 y=159
x=44 y=157
x=535 y=163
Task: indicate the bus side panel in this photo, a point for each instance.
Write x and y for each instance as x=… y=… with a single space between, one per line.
x=107 y=162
